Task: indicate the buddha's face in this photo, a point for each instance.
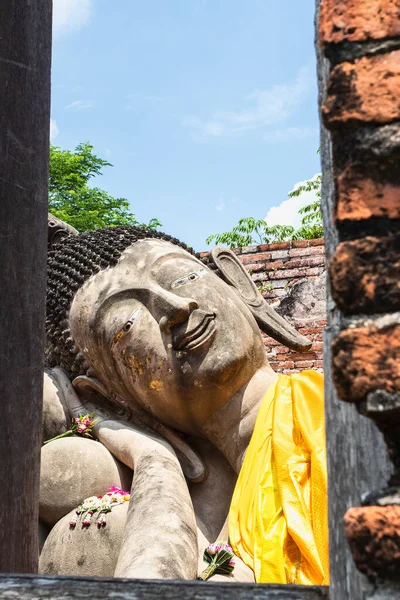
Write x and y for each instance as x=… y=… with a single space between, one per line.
x=164 y=332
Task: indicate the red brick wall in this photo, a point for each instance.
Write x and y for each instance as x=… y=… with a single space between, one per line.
x=275 y=268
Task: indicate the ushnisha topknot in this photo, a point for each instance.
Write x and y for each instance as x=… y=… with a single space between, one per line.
x=69 y=265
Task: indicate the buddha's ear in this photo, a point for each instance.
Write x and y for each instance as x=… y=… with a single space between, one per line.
x=233 y=272
x=192 y=465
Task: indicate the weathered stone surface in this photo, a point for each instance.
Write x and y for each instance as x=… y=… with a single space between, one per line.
x=84 y=550
x=373 y=534
x=305 y=299
x=64 y=480
x=361 y=196
x=367 y=358
x=365 y=275
x=358 y=20
x=366 y=90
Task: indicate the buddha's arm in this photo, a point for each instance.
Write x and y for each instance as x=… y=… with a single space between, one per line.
x=160 y=537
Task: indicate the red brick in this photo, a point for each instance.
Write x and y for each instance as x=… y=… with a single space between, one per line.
x=311 y=261
x=366 y=359
x=272 y=266
x=304 y=364
x=323 y=323
x=366 y=90
x=263 y=247
x=309 y=330
x=300 y=244
x=280 y=246
x=360 y=197
x=302 y=356
x=306 y=251
x=365 y=275
x=204 y=254
x=255 y=267
x=358 y=20
x=286 y=365
x=255 y=257
x=317 y=242
x=318 y=364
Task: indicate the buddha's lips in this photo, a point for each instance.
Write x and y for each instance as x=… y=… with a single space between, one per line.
x=181 y=342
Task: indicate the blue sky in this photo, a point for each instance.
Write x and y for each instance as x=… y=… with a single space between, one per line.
x=206 y=108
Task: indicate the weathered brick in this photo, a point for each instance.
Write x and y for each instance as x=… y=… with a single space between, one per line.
x=312 y=261
x=318 y=364
x=204 y=254
x=366 y=90
x=254 y=267
x=259 y=276
x=307 y=331
x=280 y=254
x=306 y=251
x=295 y=356
x=300 y=244
x=358 y=20
x=280 y=246
x=317 y=242
x=288 y=364
x=323 y=323
x=280 y=283
x=360 y=197
x=249 y=249
x=365 y=275
x=259 y=257
x=304 y=364
x=367 y=358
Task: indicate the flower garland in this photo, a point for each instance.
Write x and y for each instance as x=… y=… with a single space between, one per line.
x=81 y=425
x=100 y=505
x=220 y=558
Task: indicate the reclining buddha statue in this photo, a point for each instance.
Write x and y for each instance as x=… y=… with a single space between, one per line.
x=164 y=351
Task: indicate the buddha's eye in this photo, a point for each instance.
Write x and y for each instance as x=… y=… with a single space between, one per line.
x=127 y=326
x=191 y=277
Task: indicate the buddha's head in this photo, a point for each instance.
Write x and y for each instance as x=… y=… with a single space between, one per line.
x=160 y=329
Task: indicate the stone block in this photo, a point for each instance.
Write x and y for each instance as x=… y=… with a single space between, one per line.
x=366 y=90
x=358 y=20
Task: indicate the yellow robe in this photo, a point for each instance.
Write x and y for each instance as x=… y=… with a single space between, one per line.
x=278 y=521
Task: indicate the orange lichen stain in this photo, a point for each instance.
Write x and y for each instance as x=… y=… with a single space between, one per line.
x=156 y=384
x=118 y=336
x=136 y=365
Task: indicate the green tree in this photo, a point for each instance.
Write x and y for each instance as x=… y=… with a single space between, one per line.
x=311 y=222
x=252 y=231
x=73 y=200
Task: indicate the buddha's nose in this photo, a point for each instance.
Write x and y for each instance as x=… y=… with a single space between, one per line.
x=175 y=310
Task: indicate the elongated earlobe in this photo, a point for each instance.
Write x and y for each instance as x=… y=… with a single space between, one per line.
x=268 y=319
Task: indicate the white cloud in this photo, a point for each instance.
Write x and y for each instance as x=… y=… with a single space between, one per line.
x=290 y=133
x=54 y=131
x=220 y=206
x=69 y=15
x=266 y=107
x=286 y=213
x=78 y=105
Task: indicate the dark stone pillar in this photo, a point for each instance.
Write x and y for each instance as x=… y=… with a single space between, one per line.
x=25 y=60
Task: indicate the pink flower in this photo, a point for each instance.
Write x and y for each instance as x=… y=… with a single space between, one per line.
x=212 y=549
x=87 y=421
x=81 y=427
x=232 y=562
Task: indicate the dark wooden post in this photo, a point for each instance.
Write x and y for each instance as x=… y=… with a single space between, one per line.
x=25 y=60
x=357 y=456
